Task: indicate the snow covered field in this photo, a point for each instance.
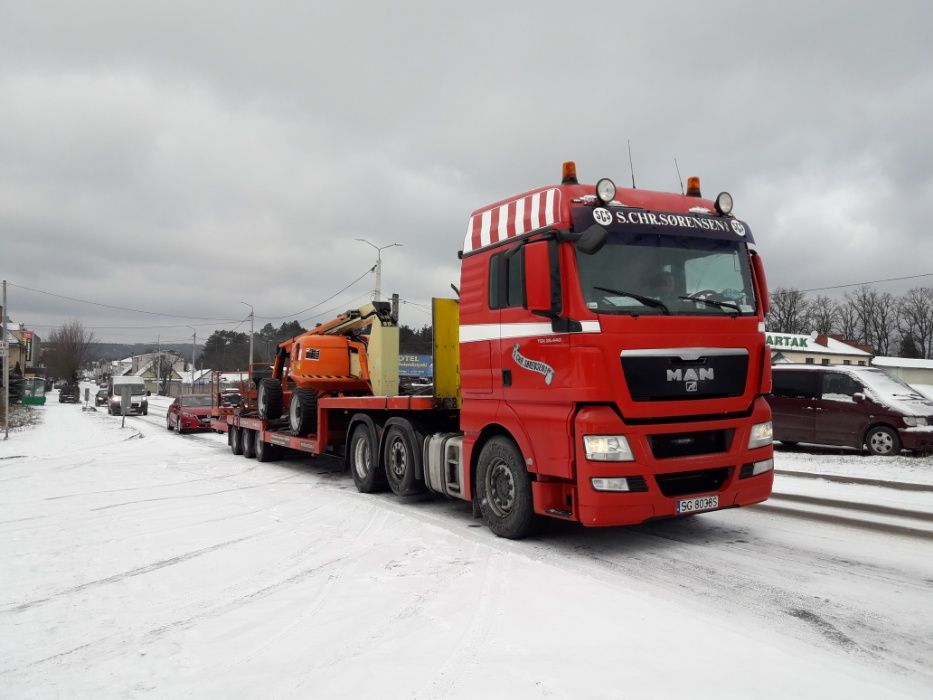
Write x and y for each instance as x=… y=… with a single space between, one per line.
x=137 y=562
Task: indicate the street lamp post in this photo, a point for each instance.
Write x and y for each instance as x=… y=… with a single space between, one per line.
x=252 y=318
x=379 y=249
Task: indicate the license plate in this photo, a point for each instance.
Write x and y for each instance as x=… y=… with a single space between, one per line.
x=694 y=505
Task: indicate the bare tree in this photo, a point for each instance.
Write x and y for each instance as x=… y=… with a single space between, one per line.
x=66 y=350
x=164 y=369
x=847 y=320
x=876 y=318
x=789 y=312
x=915 y=319
x=823 y=315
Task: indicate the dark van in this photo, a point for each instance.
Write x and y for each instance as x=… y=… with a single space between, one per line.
x=849 y=406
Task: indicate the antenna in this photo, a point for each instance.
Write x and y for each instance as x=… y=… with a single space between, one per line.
x=679 y=178
x=630 y=166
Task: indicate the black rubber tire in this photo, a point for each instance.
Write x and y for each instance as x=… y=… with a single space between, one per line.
x=363 y=460
x=236 y=440
x=248 y=437
x=790 y=444
x=401 y=456
x=503 y=489
x=266 y=451
x=882 y=441
x=178 y=426
x=168 y=424
x=269 y=399
x=302 y=412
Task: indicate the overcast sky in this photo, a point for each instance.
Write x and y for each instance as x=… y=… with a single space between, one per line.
x=183 y=157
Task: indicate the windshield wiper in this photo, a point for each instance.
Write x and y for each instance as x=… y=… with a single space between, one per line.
x=647 y=301
x=711 y=302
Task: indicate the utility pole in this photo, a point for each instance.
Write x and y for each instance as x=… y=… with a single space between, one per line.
x=379 y=249
x=6 y=369
x=194 y=342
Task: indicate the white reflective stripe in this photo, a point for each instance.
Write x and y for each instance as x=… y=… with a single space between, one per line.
x=503 y=222
x=484 y=228
x=520 y=216
x=549 y=217
x=493 y=331
x=468 y=241
x=535 y=205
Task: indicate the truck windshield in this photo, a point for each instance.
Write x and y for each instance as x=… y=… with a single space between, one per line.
x=651 y=273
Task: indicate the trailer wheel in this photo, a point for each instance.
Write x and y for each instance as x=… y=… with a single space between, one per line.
x=503 y=488
x=363 y=459
x=248 y=438
x=269 y=399
x=302 y=411
x=236 y=440
x=266 y=451
x=401 y=457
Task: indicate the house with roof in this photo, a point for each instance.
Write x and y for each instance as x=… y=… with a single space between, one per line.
x=816 y=349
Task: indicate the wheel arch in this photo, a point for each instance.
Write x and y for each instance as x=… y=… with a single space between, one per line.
x=488 y=432
x=878 y=423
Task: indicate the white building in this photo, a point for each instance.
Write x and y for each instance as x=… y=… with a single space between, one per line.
x=917 y=373
x=816 y=349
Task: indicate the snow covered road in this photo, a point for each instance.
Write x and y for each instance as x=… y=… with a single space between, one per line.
x=137 y=562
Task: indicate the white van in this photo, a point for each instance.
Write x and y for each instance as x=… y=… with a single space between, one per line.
x=139 y=405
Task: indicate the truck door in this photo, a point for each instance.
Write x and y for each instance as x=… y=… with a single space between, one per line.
x=532 y=375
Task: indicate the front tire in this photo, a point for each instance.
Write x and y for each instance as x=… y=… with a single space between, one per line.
x=363 y=460
x=302 y=412
x=882 y=441
x=269 y=399
x=503 y=488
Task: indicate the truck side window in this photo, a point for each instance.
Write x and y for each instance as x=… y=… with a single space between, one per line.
x=507 y=280
x=796 y=385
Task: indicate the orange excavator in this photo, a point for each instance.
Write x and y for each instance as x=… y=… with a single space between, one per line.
x=355 y=354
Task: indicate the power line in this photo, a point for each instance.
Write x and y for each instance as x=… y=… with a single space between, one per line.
x=119 y=308
x=856 y=284
x=323 y=301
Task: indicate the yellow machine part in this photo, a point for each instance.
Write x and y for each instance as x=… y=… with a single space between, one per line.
x=382 y=356
x=446 y=320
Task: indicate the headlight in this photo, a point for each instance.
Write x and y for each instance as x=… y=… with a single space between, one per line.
x=606 y=190
x=607 y=448
x=762 y=434
x=914 y=421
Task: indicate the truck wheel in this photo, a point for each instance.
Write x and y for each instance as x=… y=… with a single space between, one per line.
x=249 y=443
x=401 y=456
x=503 y=488
x=266 y=451
x=882 y=441
x=236 y=440
x=363 y=459
x=302 y=411
x=269 y=399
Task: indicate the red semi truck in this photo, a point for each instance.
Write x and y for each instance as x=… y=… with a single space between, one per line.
x=605 y=363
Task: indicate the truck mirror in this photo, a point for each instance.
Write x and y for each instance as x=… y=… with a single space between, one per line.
x=592 y=240
x=538 y=296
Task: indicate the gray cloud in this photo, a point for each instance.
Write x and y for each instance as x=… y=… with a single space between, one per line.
x=183 y=159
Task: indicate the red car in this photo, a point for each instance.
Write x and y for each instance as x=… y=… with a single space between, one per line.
x=189 y=413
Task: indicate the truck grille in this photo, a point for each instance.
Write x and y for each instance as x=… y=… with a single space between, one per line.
x=682 y=375
x=667 y=445
x=686 y=483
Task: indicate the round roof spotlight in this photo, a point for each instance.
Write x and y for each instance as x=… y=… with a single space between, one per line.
x=606 y=190
x=724 y=203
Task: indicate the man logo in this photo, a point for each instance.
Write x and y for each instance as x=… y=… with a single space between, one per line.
x=690 y=375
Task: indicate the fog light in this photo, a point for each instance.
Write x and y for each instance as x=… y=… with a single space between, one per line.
x=607 y=448
x=609 y=484
x=763 y=466
x=762 y=434
x=606 y=190
x=724 y=203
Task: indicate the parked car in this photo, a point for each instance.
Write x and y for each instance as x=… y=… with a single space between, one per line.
x=189 y=413
x=69 y=393
x=101 y=397
x=849 y=406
